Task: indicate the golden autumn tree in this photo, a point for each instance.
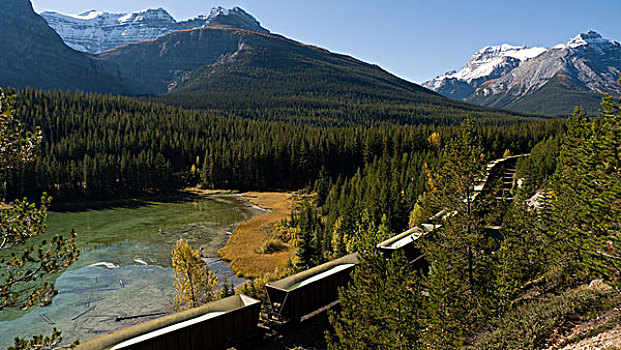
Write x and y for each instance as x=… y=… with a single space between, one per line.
x=194 y=282
x=435 y=141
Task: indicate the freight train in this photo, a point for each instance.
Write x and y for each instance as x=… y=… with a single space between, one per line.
x=234 y=321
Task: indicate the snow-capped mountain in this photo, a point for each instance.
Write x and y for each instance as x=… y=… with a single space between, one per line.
x=488 y=63
x=96 y=31
x=504 y=76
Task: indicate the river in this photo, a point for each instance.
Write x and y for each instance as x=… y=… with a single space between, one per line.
x=125 y=263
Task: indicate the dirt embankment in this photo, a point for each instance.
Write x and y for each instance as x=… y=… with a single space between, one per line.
x=602 y=332
x=244 y=245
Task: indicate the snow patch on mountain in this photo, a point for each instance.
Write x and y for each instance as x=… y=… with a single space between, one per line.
x=97 y=31
x=217 y=11
x=86 y=15
x=487 y=61
x=588 y=38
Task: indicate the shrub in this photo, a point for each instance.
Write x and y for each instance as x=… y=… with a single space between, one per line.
x=273 y=246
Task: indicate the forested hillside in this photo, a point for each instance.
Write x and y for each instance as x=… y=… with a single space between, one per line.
x=102 y=147
x=276 y=78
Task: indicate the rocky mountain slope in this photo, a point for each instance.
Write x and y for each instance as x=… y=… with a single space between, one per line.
x=231 y=61
x=32 y=54
x=95 y=32
x=491 y=62
x=574 y=73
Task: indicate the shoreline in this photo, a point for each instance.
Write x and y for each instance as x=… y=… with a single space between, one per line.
x=242 y=247
x=135 y=201
x=181 y=195
x=241 y=250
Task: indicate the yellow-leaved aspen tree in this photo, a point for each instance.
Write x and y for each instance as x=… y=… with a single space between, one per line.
x=194 y=282
x=435 y=140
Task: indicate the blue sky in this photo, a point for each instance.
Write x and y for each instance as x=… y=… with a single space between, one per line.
x=414 y=39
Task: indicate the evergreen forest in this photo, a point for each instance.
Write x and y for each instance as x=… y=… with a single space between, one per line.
x=110 y=147
x=369 y=177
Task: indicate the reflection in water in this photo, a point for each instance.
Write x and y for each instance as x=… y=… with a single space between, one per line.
x=124 y=269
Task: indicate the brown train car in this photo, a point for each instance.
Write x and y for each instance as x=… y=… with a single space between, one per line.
x=405 y=242
x=310 y=290
x=217 y=325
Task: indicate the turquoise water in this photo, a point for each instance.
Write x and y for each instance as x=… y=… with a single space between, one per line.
x=125 y=265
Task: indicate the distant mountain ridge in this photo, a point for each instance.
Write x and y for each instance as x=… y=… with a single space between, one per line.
x=223 y=66
x=95 y=31
x=577 y=72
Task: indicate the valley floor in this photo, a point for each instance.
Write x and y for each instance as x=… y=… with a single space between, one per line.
x=243 y=246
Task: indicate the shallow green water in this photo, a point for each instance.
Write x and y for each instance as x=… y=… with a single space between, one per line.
x=124 y=268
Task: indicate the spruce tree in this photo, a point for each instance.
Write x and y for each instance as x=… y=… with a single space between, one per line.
x=459 y=251
x=381 y=307
x=586 y=195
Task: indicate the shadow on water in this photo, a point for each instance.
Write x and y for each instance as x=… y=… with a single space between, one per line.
x=131 y=203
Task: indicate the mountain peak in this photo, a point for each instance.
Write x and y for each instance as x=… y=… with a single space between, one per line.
x=489 y=61
x=217 y=11
x=158 y=14
x=109 y=18
x=88 y=13
x=506 y=75
x=589 y=37
x=521 y=53
x=499 y=48
x=235 y=17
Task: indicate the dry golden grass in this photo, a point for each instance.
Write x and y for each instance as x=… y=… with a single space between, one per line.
x=244 y=245
x=206 y=192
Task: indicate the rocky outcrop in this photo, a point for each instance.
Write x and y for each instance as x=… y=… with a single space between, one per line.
x=158 y=66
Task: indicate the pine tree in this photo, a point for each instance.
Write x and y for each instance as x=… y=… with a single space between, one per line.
x=458 y=252
x=446 y=312
x=586 y=195
x=523 y=254
x=454 y=190
x=21 y=221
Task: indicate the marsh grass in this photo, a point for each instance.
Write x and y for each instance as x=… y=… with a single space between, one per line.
x=245 y=245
